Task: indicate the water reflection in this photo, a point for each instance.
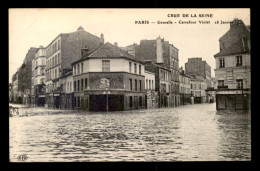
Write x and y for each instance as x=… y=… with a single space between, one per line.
x=187 y=133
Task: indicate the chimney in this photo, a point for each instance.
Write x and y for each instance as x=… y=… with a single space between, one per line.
x=159 y=53
x=115 y=44
x=102 y=38
x=236 y=23
x=80 y=28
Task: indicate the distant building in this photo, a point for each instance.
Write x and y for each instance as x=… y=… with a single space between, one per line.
x=198 y=89
x=108 y=75
x=67 y=91
x=130 y=49
x=25 y=75
x=15 y=92
x=60 y=53
x=233 y=69
x=185 y=88
x=38 y=77
x=152 y=97
x=195 y=66
x=163 y=85
x=164 y=54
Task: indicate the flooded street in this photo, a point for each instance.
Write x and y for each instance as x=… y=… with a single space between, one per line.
x=187 y=133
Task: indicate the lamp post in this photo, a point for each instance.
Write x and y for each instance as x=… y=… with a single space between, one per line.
x=107 y=98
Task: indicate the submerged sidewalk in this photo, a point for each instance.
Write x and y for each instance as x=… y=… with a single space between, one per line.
x=25 y=110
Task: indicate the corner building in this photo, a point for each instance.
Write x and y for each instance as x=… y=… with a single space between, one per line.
x=110 y=76
x=60 y=53
x=233 y=68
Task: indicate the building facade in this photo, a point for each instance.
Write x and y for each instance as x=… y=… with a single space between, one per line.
x=185 y=88
x=195 y=66
x=108 y=79
x=38 y=78
x=163 y=84
x=67 y=91
x=25 y=74
x=233 y=68
x=60 y=54
x=151 y=97
x=198 y=89
x=161 y=52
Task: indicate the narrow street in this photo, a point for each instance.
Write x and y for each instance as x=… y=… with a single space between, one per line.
x=186 y=133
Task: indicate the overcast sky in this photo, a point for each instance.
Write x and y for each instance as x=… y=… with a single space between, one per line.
x=35 y=27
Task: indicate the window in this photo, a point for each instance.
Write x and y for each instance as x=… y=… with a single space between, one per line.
x=78 y=69
x=239 y=60
x=140 y=100
x=152 y=84
x=146 y=84
x=135 y=69
x=70 y=86
x=86 y=83
x=149 y=84
x=58 y=44
x=135 y=85
x=130 y=84
x=105 y=66
x=240 y=84
x=221 y=63
x=55 y=60
x=140 y=69
x=58 y=58
x=130 y=101
x=55 y=76
x=140 y=83
x=81 y=67
x=81 y=84
x=78 y=85
x=220 y=82
x=74 y=71
x=75 y=85
x=130 y=67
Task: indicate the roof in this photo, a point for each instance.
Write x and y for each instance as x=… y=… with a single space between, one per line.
x=238 y=47
x=108 y=50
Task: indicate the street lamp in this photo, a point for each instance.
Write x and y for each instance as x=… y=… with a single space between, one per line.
x=107 y=98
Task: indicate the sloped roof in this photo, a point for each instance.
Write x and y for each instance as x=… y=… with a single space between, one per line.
x=109 y=50
x=235 y=48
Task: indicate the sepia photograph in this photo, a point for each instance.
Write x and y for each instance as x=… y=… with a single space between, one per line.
x=129 y=85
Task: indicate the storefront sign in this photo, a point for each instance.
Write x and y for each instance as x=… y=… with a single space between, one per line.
x=230 y=92
x=229 y=76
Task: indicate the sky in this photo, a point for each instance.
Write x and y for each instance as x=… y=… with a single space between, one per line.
x=35 y=27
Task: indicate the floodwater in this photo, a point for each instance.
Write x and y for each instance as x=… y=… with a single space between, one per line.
x=186 y=133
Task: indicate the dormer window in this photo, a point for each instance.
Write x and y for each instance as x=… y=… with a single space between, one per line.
x=221 y=63
x=238 y=60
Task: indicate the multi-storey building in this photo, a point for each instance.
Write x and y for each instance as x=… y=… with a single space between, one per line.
x=108 y=79
x=15 y=88
x=67 y=90
x=163 y=84
x=151 y=97
x=233 y=69
x=60 y=53
x=164 y=54
x=38 y=77
x=198 y=89
x=25 y=75
x=195 y=66
x=185 y=88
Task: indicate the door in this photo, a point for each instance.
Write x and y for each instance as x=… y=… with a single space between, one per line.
x=230 y=102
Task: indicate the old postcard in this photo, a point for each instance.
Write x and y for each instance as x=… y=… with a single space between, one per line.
x=129 y=85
